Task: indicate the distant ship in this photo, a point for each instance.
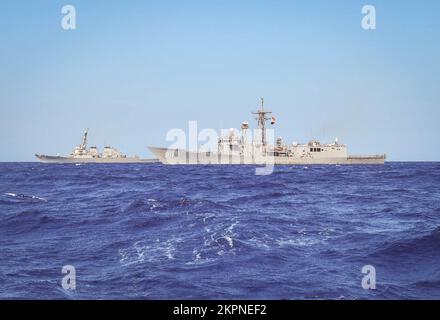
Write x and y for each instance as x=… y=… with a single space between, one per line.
x=82 y=154
x=234 y=149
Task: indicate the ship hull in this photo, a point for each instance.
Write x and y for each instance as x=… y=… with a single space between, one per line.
x=60 y=159
x=171 y=157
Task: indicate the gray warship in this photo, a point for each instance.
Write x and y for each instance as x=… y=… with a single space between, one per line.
x=82 y=154
x=234 y=148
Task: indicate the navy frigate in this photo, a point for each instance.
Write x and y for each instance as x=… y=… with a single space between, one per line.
x=234 y=148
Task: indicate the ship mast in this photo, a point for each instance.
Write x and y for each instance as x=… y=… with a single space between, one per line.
x=83 y=145
x=261 y=120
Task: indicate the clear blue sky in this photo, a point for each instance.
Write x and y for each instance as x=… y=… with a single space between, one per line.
x=135 y=69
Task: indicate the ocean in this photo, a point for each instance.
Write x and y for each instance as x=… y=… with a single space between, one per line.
x=149 y=231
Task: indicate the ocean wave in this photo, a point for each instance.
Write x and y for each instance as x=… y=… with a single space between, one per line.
x=416 y=246
x=29 y=220
x=148 y=251
x=217 y=241
x=24 y=197
x=432 y=284
x=299 y=241
x=154 y=205
x=143 y=206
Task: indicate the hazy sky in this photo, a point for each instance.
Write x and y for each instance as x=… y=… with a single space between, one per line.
x=132 y=70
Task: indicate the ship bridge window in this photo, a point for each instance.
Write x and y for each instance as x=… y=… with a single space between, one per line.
x=315 y=149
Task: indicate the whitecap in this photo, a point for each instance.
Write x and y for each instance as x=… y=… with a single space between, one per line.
x=230 y=240
x=23 y=196
x=142 y=251
x=153 y=203
x=11 y=194
x=298 y=242
x=38 y=198
x=198 y=258
x=228 y=236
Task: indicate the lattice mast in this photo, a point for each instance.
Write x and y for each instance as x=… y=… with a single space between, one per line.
x=262 y=117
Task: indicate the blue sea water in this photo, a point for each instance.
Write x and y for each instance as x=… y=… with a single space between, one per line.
x=148 y=231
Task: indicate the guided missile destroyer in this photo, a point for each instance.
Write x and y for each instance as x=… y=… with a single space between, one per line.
x=82 y=154
x=234 y=148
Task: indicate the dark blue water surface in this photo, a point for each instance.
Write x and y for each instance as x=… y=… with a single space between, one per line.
x=148 y=231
